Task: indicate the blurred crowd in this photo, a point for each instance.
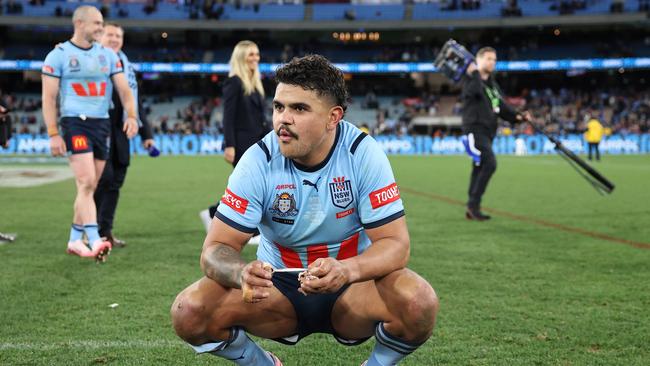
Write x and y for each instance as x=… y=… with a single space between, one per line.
x=200 y=116
x=560 y=111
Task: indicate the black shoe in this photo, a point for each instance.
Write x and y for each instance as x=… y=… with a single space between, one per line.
x=115 y=242
x=476 y=214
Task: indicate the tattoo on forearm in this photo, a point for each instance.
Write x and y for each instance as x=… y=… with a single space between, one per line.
x=224 y=265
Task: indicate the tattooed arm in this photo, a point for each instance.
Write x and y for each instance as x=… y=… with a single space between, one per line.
x=221 y=261
x=221 y=257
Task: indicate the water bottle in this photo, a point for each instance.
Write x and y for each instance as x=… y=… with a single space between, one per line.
x=153 y=151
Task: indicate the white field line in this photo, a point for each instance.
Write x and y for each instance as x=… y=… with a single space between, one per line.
x=90 y=344
x=94 y=345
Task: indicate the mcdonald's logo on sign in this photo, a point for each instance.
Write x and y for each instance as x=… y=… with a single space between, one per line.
x=79 y=142
x=92 y=91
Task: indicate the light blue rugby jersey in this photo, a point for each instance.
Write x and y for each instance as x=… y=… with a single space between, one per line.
x=129 y=70
x=85 y=74
x=304 y=214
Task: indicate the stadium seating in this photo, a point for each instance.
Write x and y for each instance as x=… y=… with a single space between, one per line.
x=358 y=12
x=264 y=12
x=323 y=12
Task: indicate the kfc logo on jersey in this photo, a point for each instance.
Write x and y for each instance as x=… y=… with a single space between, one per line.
x=48 y=69
x=384 y=196
x=234 y=201
x=341 y=192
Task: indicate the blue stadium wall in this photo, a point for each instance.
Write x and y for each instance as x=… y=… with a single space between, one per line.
x=26 y=144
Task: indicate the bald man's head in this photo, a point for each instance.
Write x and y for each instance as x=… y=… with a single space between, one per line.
x=88 y=23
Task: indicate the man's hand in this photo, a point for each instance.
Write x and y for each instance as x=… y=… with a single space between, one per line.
x=229 y=154
x=148 y=143
x=57 y=146
x=256 y=280
x=471 y=68
x=130 y=127
x=331 y=276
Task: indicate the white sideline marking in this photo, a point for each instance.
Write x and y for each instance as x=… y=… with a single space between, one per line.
x=32 y=176
x=38 y=346
x=92 y=345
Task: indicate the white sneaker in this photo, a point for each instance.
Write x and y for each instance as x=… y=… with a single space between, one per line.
x=206 y=219
x=255 y=240
x=7 y=238
x=77 y=247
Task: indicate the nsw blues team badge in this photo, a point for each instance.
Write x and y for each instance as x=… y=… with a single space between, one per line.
x=341 y=192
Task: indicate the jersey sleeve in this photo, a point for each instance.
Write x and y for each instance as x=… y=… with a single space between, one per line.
x=53 y=64
x=379 y=198
x=242 y=202
x=116 y=63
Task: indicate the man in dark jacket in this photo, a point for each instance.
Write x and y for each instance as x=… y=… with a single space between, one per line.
x=5 y=136
x=5 y=126
x=108 y=189
x=482 y=105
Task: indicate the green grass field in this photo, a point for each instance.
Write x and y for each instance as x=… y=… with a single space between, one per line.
x=514 y=291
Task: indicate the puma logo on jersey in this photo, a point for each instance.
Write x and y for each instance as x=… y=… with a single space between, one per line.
x=305 y=182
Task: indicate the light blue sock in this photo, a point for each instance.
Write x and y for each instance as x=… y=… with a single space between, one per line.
x=238 y=348
x=92 y=233
x=76 y=232
x=389 y=350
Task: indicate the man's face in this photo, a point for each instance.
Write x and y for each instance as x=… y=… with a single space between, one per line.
x=252 y=58
x=302 y=121
x=113 y=38
x=487 y=62
x=92 y=26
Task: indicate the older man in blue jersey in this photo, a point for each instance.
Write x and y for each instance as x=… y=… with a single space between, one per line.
x=334 y=241
x=81 y=73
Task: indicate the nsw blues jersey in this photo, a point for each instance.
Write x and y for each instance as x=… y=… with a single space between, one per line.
x=129 y=71
x=86 y=87
x=308 y=213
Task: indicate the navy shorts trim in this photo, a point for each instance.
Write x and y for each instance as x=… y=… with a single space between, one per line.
x=87 y=135
x=313 y=312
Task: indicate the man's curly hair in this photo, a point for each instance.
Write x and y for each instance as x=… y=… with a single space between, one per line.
x=315 y=72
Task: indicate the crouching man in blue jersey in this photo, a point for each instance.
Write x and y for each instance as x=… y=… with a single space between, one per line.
x=323 y=196
x=81 y=74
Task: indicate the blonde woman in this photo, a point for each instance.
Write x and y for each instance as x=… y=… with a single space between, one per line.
x=244 y=121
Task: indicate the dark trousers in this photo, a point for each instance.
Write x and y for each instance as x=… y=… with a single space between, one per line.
x=108 y=193
x=593 y=146
x=482 y=172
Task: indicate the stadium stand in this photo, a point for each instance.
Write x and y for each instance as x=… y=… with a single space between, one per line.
x=321 y=11
x=563 y=111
